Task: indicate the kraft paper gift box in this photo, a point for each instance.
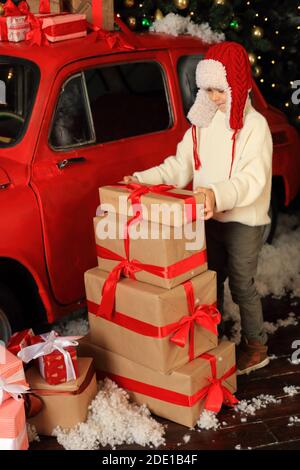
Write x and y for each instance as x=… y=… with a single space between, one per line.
x=13 y=431
x=65 y=404
x=165 y=256
x=156 y=327
x=102 y=15
x=163 y=204
x=205 y=383
x=12 y=377
x=55 y=6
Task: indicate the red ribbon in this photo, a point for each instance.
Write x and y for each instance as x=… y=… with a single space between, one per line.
x=137 y=326
x=36 y=35
x=216 y=393
x=197 y=161
x=207 y=316
x=211 y=391
x=10 y=9
x=44 y=7
x=130 y=267
x=137 y=190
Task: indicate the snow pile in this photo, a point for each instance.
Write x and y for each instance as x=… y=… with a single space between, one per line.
x=32 y=433
x=208 y=420
x=291 y=390
x=249 y=407
x=293 y=420
x=176 y=24
x=272 y=327
x=279 y=264
x=78 y=327
x=112 y=420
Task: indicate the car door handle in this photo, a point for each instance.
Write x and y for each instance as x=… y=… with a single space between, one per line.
x=70 y=161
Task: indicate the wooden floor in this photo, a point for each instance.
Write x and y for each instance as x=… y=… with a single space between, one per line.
x=268 y=428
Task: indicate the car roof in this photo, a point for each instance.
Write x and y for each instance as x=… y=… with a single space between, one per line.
x=63 y=52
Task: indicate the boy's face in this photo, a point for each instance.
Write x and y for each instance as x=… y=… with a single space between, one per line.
x=218 y=97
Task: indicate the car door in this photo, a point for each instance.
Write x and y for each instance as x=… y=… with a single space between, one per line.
x=105 y=118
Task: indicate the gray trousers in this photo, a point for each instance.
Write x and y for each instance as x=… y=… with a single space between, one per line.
x=232 y=251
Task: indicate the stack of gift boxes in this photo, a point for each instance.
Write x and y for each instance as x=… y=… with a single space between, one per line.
x=63 y=384
x=152 y=304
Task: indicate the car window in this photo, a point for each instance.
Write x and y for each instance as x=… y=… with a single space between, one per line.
x=128 y=100
x=18 y=85
x=71 y=125
x=186 y=70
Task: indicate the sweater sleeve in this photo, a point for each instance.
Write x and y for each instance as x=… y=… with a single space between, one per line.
x=252 y=171
x=176 y=170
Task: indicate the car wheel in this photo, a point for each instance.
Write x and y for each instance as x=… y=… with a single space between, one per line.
x=11 y=318
x=269 y=231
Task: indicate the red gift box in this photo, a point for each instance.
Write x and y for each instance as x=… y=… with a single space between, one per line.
x=55 y=357
x=52 y=366
x=20 y=340
x=64 y=26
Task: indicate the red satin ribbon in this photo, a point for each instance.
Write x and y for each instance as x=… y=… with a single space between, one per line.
x=144 y=328
x=207 y=316
x=216 y=393
x=138 y=190
x=10 y=9
x=130 y=267
x=44 y=7
x=215 y=399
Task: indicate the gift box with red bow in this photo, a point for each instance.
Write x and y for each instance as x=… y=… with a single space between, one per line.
x=156 y=327
x=55 y=28
x=55 y=357
x=208 y=382
x=14 y=24
x=20 y=340
x=165 y=250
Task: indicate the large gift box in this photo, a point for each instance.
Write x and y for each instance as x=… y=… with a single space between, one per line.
x=12 y=377
x=207 y=382
x=160 y=203
x=156 y=327
x=172 y=254
x=65 y=404
x=13 y=432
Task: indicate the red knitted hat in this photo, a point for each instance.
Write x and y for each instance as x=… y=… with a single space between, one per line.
x=226 y=67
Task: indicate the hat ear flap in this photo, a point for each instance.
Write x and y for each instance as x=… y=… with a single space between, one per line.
x=202 y=111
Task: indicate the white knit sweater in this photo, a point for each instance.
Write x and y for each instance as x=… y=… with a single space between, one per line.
x=245 y=197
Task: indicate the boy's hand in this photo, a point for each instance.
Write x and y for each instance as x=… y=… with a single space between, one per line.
x=210 y=201
x=130 y=179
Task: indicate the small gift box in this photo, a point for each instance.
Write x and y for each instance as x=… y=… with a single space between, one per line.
x=13 y=432
x=20 y=340
x=65 y=404
x=12 y=377
x=180 y=396
x=17 y=28
x=56 y=357
x=57 y=28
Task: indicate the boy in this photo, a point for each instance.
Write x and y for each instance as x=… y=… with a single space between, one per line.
x=228 y=154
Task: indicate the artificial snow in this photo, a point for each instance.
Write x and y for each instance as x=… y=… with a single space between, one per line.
x=272 y=327
x=176 y=24
x=208 y=420
x=32 y=433
x=293 y=420
x=186 y=438
x=249 y=407
x=78 y=327
x=112 y=420
x=291 y=390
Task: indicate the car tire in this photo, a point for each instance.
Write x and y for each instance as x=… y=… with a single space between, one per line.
x=11 y=315
x=270 y=229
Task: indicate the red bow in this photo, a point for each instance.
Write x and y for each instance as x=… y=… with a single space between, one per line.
x=216 y=393
x=10 y=9
x=207 y=316
x=36 y=35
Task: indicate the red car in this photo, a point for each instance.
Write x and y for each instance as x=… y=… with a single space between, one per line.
x=77 y=115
